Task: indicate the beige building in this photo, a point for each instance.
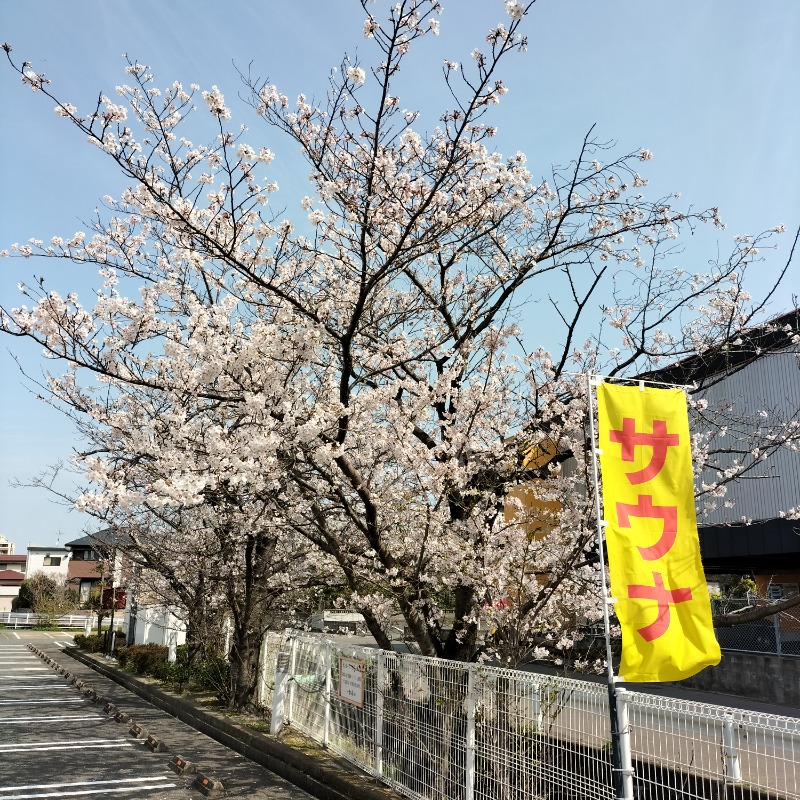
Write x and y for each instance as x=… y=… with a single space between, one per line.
x=6 y=547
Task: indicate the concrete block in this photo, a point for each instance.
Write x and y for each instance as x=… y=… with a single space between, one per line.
x=121 y=716
x=154 y=745
x=182 y=767
x=138 y=732
x=108 y=708
x=207 y=785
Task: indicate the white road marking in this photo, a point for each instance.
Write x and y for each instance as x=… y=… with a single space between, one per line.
x=46 y=686
x=83 y=783
x=22 y=745
x=25 y=720
x=28 y=677
x=29 y=702
x=17 y=635
x=63 y=747
x=26 y=669
x=90 y=791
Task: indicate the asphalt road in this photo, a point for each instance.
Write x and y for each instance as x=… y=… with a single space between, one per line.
x=56 y=743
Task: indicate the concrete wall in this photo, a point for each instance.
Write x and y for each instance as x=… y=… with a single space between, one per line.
x=157 y=625
x=765 y=678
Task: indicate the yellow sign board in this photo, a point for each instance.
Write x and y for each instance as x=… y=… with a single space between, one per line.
x=657 y=577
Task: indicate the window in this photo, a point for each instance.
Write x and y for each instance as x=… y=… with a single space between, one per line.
x=86 y=587
x=782 y=591
x=52 y=561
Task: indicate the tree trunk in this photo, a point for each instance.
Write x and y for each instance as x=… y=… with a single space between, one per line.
x=244 y=668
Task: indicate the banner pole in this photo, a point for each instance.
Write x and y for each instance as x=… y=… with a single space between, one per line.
x=616 y=750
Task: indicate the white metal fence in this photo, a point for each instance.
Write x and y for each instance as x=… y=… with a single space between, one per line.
x=14 y=619
x=439 y=730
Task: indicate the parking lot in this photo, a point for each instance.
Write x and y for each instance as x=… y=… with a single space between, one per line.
x=55 y=742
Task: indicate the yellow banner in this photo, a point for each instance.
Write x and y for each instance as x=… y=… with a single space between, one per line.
x=651 y=536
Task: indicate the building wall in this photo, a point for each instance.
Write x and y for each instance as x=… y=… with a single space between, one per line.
x=771 y=384
x=7 y=595
x=157 y=625
x=6 y=547
x=37 y=557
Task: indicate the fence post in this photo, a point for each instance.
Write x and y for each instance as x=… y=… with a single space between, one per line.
x=624 y=727
x=326 y=733
x=776 y=621
x=279 y=693
x=292 y=673
x=262 y=669
x=537 y=706
x=380 y=683
x=730 y=745
x=172 y=647
x=469 y=772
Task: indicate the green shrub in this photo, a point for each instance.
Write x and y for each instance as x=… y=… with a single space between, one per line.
x=121 y=654
x=215 y=675
x=92 y=644
x=145 y=659
x=151 y=659
x=175 y=675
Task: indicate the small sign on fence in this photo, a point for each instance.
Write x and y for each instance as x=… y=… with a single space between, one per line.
x=351 y=681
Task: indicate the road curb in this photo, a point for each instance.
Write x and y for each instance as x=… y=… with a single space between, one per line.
x=306 y=772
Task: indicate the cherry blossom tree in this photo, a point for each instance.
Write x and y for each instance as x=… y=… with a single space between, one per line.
x=178 y=481
x=359 y=374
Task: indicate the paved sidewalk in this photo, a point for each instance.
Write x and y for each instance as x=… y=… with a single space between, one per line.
x=321 y=773
x=240 y=777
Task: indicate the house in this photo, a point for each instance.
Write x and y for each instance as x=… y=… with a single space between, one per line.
x=86 y=567
x=94 y=560
x=10 y=581
x=51 y=560
x=16 y=563
x=6 y=547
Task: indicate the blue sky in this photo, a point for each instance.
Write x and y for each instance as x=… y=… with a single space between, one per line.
x=711 y=88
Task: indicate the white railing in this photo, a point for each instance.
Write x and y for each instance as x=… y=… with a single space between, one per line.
x=437 y=729
x=14 y=619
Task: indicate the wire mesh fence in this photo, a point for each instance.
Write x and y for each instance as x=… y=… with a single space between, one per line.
x=777 y=634
x=438 y=729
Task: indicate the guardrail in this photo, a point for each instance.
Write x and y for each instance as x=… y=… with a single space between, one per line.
x=14 y=619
